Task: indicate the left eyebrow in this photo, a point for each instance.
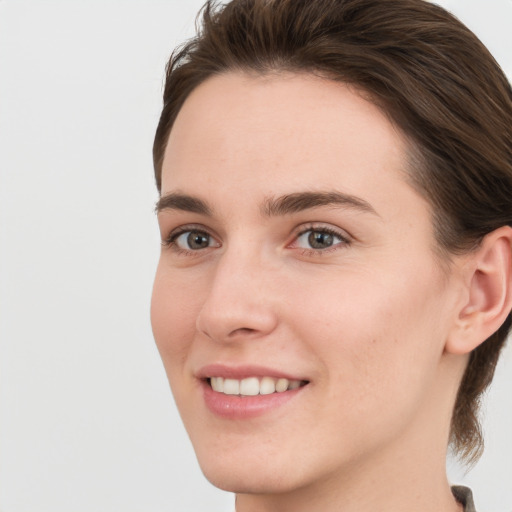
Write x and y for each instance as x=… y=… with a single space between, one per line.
x=300 y=201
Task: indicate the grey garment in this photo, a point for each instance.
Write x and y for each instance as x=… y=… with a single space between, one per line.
x=465 y=497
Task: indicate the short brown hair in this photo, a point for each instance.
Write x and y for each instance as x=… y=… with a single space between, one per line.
x=432 y=77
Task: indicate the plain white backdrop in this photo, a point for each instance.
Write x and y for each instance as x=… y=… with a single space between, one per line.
x=87 y=422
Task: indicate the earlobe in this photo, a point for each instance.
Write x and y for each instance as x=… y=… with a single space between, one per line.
x=489 y=298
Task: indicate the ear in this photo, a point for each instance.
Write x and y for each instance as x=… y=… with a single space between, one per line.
x=489 y=293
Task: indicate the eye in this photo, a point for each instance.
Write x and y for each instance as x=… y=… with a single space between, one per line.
x=193 y=240
x=190 y=240
x=319 y=239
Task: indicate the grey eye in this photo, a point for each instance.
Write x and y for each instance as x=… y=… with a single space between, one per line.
x=193 y=240
x=318 y=239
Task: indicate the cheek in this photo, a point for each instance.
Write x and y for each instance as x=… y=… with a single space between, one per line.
x=174 y=308
x=378 y=338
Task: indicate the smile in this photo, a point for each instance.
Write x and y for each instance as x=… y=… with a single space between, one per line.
x=253 y=386
x=248 y=391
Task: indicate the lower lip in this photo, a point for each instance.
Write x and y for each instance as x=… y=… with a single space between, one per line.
x=245 y=407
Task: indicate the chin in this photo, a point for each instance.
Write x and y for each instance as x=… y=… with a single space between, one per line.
x=256 y=468
x=250 y=480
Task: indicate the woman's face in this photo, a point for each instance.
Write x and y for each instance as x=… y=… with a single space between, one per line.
x=293 y=248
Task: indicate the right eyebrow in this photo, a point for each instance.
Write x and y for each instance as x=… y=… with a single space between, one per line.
x=183 y=202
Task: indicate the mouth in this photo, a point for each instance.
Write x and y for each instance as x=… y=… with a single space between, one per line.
x=253 y=386
x=244 y=392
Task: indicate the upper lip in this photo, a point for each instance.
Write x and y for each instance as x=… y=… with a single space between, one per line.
x=242 y=372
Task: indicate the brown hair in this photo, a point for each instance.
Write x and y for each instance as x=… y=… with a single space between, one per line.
x=432 y=77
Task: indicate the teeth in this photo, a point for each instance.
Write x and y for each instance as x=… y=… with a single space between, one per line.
x=282 y=385
x=217 y=384
x=267 y=386
x=253 y=386
x=250 y=387
x=231 y=387
x=294 y=384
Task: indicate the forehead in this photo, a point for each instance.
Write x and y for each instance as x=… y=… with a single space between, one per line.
x=261 y=135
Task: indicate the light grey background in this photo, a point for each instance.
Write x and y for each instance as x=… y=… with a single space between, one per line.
x=87 y=422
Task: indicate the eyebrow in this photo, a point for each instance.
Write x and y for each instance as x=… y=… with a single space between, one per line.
x=299 y=201
x=183 y=202
x=272 y=206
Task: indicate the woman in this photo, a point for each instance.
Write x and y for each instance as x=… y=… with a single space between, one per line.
x=333 y=290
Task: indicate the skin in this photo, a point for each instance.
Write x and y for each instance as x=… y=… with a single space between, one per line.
x=366 y=320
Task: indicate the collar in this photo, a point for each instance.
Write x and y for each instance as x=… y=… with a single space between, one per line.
x=465 y=497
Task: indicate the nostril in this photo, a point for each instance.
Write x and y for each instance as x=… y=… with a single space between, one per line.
x=242 y=331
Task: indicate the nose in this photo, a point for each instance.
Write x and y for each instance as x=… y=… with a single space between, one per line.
x=240 y=301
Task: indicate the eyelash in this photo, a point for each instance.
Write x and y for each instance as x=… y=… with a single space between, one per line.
x=170 y=241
